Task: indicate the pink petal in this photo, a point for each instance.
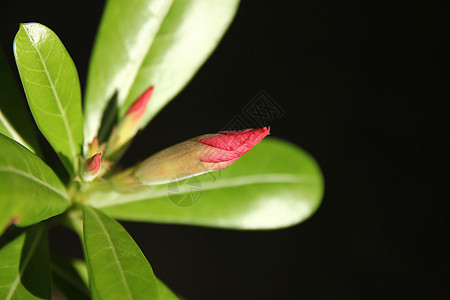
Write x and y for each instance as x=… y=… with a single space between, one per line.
x=93 y=164
x=139 y=106
x=232 y=144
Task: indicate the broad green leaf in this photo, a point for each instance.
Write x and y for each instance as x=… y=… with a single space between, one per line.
x=25 y=266
x=14 y=119
x=117 y=267
x=71 y=277
x=274 y=185
x=50 y=81
x=126 y=32
x=68 y=280
x=189 y=34
x=29 y=190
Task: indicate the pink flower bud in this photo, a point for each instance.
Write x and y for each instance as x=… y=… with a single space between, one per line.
x=93 y=147
x=233 y=144
x=94 y=144
x=129 y=125
x=193 y=157
x=92 y=167
x=137 y=110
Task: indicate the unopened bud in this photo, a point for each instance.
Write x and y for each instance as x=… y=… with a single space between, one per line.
x=129 y=125
x=193 y=157
x=92 y=167
x=93 y=147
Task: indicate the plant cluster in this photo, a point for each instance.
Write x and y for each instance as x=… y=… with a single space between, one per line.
x=145 y=53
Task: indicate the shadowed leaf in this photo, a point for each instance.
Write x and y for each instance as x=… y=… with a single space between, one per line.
x=15 y=121
x=68 y=280
x=25 y=266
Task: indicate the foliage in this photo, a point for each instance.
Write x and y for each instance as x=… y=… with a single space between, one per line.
x=139 y=44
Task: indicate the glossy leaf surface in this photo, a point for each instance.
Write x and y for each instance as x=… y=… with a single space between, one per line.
x=126 y=32
x=25 y=266
x=117 y=267
x=50 y=81
x=14 y=116
x=274 y=185
x=29 y=190
x=188 y=35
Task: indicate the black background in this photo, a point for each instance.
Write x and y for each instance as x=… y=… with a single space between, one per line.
x=363 y=86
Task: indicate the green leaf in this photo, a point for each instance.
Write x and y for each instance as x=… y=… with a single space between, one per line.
x=126 y=32
x=51 y=85
x=25 y=266
x=274 y=185
x=7 y=129
x=29 y=190
x=164 y=292
x=14 y=117
x=71 y=277
x=189 y=34
x=68 y=280
x=117 y=267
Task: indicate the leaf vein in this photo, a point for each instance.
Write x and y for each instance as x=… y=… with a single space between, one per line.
x=33 y=178
x=37 y=83
x=113 y=250
x=58 y=101
x=60 y=69
x=224 y=183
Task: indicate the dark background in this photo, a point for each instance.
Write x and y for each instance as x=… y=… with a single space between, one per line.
x=363 y=86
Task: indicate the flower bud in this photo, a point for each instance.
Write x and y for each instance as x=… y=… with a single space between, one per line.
x=193 y=157
x=129 y=125
x=91 y=167
x=93 y=147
